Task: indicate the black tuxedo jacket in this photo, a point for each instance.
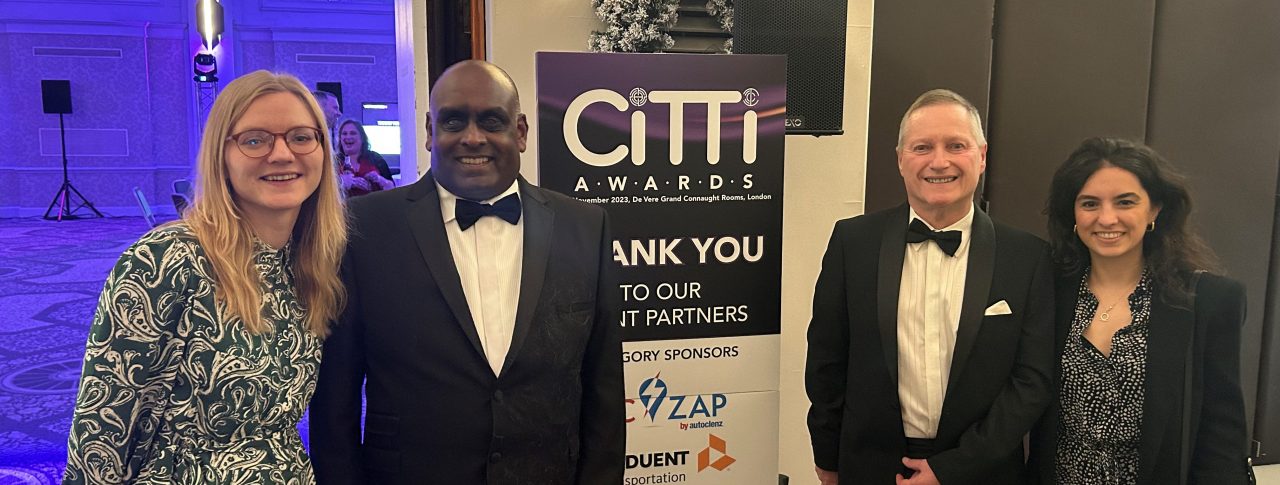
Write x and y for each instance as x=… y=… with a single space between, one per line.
x=1216 y=437
x=436 y=412
x=1000 y=369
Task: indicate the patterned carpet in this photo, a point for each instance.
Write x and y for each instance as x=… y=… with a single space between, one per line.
x=50 y=277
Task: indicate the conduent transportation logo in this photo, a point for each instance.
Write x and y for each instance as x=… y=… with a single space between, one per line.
x=657 y=404
x=720 y=448
x=715 y=457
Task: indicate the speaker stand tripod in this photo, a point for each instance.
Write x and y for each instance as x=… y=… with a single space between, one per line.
x=64 y=198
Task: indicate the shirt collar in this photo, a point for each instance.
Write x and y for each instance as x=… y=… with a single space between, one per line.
x=448 y=200
x=263 y=250
x=963 y=225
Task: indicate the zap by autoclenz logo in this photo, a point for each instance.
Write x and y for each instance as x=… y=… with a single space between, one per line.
x=657 y=403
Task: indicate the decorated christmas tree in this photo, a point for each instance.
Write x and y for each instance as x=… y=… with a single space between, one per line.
x=634 y=25
x=722 y=10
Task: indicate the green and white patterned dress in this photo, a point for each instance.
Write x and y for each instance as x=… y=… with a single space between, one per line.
x=175 y=391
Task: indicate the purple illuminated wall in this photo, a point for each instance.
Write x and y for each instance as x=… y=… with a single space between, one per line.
x=366 y=71
x=135 y=109
x=8 y=181
x=122 y=125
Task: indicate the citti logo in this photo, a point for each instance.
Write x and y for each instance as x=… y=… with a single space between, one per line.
x=717 y=445
x=677 y=99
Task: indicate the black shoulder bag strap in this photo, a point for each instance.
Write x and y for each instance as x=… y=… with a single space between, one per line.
x=1188 y=373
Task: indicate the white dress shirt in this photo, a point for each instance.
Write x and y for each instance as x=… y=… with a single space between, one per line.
x=929 y=302
x=489 y=257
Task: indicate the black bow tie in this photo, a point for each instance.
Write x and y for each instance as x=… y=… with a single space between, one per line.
x=468 y=212
x=948 y=241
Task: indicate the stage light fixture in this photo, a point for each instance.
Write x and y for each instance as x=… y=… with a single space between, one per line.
x=209 y=22
x=206 y=68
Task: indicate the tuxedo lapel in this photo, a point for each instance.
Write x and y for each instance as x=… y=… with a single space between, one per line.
x=427 y=225
x=1068 y=291
x=539 y=220
x=1169 y=333
x=977 y=290
x=893 y=246
x=1045 y=435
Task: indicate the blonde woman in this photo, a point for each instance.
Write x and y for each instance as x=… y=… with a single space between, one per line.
x=203 y=352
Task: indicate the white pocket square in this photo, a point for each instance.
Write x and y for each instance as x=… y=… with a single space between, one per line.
x=998 y=308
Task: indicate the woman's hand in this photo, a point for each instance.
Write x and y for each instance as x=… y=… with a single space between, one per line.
x=348 y=180
x=375 y=179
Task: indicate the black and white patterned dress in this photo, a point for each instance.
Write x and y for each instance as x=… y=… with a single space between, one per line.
x=174 y=391
x=1102 y=396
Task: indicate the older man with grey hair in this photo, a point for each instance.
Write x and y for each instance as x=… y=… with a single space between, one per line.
x=930 y=348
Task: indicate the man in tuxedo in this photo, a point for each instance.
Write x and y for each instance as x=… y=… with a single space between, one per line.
x=930 y=348
x=481 y=318
x=329 y=105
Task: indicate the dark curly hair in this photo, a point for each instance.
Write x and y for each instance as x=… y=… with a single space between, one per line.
x=1171 y=252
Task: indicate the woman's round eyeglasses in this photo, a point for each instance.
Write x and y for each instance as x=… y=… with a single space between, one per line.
x=259 y=143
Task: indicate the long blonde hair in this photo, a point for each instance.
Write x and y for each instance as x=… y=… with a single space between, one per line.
x=319 y=235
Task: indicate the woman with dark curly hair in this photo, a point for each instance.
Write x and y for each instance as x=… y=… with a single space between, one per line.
x=1149 y=342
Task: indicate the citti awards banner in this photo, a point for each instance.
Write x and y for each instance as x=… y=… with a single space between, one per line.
x=685 y=151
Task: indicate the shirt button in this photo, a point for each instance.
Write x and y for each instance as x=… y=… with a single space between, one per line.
x=497 y=395
x=495 y=457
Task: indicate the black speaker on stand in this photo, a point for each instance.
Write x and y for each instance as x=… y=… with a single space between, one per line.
x=56 y=95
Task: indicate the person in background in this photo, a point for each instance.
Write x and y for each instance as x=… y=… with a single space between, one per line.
x=1149 y=343
x=363 y=170
x=329 y=104
x=930 y=346
x=204 y=350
